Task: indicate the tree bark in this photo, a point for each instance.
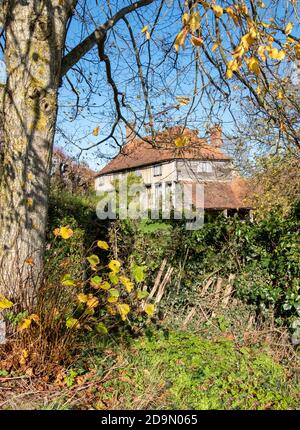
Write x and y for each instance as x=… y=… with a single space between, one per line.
x=35 y=36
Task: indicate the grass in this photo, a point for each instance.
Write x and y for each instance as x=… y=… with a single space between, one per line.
x=164 y=370
x=179 y=370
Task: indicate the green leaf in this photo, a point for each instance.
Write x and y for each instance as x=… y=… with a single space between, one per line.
x=93 y=260
x=101 y=328
x=72 y=323
x=113 y=295
x=67 y=281
x=71 y=378
x=113 y=278
x=142 y=294
x=138 y=272
x=96 y=281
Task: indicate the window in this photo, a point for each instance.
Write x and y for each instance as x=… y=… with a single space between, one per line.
x=204 y=167
x=157 y=170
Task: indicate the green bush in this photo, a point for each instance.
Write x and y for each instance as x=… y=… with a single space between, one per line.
x=79 y=213
x=264 y=256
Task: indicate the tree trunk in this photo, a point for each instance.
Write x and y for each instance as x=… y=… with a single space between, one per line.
x=35 y=35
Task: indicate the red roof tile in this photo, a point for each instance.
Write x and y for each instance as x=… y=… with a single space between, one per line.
x=225 y=195
x=138 y=152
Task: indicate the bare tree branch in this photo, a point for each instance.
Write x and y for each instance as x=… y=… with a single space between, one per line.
x=90 y=41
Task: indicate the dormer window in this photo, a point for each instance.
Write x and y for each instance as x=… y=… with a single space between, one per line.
x=157 y=170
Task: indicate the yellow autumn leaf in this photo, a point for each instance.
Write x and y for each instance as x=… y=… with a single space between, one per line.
x=261 y=52
x=123 y=309
x=149 y=309
x=232 y=66
x=104 y=285
x=103 y=245
x=253 y=66
x=82 y=298
x=29 y=176
x=5 y=303
x=185 y=18
x=66 y=232
x=180 y=39
x=96 y=131
x=280 y=95
x=92 y=301
x=183 y=101
x=25 y=324
x=249 y=38
x=288 y=28
x=240 y=50
x=194 y=21
x=297 y=51
x=196 y=41
x=276 y=54
x=114 y=266
x=23 y=357
x=128 y=284
x=218 y=10
x=111 y=310
x=230 y=11
x=181 y=141
x=265 y=25
x=215 y=46
x=29 y=202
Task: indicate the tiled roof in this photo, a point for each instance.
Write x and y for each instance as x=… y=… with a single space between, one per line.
x=225 y=194
x=137 y=152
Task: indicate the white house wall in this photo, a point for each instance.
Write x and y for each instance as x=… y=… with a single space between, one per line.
x=146 y=173
x=200 y=170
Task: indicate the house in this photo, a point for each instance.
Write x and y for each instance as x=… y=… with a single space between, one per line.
x=180 y=156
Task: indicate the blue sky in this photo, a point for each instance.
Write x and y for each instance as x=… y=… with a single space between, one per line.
x=166 y=81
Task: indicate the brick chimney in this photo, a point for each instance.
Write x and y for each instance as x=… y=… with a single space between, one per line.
x=216 y=136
